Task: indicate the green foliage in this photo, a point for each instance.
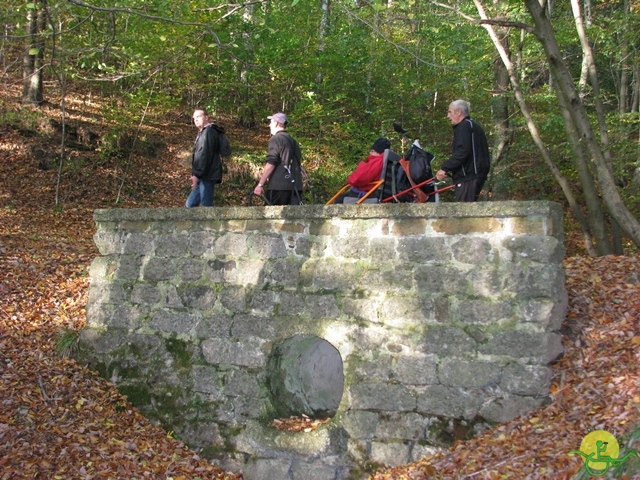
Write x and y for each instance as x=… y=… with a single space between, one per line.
x=23 y=118
x=67 y=343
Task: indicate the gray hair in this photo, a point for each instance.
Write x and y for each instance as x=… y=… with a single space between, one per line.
x=461 y=105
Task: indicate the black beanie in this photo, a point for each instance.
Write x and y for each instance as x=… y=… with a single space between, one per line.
x=380 y=145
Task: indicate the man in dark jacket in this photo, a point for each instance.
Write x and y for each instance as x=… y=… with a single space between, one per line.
x=282 y=169
x=469 y=162
x=206 y=166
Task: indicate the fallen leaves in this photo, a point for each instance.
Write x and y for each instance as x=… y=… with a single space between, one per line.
x=302 y=424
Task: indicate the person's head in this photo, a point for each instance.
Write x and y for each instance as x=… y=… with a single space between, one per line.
x=200 y=118
x=379 y=146
x=278 y=122
x=458 y=111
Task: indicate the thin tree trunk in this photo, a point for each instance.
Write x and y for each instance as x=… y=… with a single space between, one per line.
x=624 y=67
x=322 y=34
x=32 y=91
x=565 y=87
x=500 y=113
x=535 y=135
x=596 y=214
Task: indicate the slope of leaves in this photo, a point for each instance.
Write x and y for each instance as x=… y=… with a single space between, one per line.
x=60 y=420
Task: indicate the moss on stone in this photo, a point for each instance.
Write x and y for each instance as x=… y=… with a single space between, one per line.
x=136 y=394
x=180 y=351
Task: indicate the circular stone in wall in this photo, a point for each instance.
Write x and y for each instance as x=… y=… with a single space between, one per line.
x=305 y=376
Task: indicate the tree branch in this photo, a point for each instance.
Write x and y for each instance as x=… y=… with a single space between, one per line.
x=387 y=39
x=149 y=17
x=483 y=21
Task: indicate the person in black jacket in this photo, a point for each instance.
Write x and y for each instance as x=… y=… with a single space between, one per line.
x=282 y=169
x=469 y=162
x=206 y=166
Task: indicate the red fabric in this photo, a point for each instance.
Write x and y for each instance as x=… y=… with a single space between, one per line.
x=367 y=172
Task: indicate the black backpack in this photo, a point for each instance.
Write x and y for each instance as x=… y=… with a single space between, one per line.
x=417 y=163
x=225 y=147
x=395 y=180
x=420 y=169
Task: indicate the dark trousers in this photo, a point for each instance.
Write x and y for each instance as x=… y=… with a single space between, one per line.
x=283 y=197
x=469 y=191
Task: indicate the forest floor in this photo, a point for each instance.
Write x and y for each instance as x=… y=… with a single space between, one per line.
x=59 y=420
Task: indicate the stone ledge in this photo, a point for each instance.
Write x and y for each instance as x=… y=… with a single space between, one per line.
x=543 y=210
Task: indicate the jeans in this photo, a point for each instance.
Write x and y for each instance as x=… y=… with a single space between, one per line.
x=202 y=195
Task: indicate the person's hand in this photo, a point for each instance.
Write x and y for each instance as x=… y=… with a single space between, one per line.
x=194 y=182
x=440 y=174
x=259 y=190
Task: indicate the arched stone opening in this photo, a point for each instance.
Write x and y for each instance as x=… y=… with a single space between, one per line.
x=305 y=376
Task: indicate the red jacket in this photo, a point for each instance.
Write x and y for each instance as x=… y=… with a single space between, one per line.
x=366 y=172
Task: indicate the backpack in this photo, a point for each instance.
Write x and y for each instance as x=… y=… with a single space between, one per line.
x=225 y=147
x=395 y=180
x=403 y=173
x=417 y=164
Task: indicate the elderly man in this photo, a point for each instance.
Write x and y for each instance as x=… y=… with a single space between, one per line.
x=282 y=169
x=469 y=162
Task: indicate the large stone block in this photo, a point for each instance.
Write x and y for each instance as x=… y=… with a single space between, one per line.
x=174 y=245
x=380 y=396
x=390 y=453
x=222 y=351
x=454 y=372
x=535 y=248
x=416 y=369
x=447 y=341
x=402 y=426
x=158 y=269
x=174 y=321
x=360 y=424
x=452 y=402
x=536 y=347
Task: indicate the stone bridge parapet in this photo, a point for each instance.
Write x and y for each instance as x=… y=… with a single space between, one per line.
x=409 y=325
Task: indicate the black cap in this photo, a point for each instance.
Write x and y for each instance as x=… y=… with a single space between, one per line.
x=380 y=145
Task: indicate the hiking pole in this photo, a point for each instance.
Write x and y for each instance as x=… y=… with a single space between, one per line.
x=264 y=199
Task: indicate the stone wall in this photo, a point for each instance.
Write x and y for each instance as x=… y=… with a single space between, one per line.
x=409 y=325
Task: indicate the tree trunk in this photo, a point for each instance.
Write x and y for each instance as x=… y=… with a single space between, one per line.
x=500 y=113
x=32 y=90
x=565 y=87
x=596 y=214
x=623 y=89
x=322 y=34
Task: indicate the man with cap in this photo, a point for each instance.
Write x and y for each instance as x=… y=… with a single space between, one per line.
x=367 y=171
x=282 y=169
